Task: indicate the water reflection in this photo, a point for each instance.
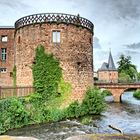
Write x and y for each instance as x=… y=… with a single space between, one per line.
x=127 y=97
x=125 y=115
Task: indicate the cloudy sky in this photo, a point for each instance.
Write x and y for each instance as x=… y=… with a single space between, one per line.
x=117 y=22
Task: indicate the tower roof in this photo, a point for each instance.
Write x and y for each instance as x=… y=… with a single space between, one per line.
x=111 y=65
x=104 y=66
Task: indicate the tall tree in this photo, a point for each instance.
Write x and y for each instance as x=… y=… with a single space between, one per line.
x=126 y=67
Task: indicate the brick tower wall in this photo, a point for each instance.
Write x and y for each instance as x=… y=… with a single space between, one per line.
x=8 y=64
x=74 y=52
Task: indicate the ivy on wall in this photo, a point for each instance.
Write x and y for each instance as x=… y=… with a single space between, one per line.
x=14 y=76
x=47 y=73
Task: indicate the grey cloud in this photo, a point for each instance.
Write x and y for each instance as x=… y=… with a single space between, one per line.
x=13 y=4
x=133 y=46
x=119 y=9
x=96 y=43
x=127 y=8
x=128 y=52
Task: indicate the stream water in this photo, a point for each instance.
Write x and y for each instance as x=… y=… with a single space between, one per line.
x=125 y=115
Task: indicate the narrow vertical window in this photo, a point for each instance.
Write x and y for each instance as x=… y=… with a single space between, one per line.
x=19 y=40
x=4 y=38
x=56 y=36
x=3 y=54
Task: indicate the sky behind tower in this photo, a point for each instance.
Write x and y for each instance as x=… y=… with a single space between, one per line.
x=117 y=22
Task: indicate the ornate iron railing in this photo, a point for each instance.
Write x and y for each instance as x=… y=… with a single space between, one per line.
x=54 y=18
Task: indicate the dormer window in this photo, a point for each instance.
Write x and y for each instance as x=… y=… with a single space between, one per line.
x=56 y=36
x=4 y=38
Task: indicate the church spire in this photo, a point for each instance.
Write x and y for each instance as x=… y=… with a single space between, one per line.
x=111 y=65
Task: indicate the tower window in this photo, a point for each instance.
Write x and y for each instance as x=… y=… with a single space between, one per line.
x=56 y=36
x=19 y=39
x=3 y=54
x=4 y=38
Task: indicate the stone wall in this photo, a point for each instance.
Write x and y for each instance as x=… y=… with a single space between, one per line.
x=6 y=77
x=74 y=52
x=108 y=76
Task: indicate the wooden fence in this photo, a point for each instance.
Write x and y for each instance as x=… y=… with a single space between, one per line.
x=15 y=91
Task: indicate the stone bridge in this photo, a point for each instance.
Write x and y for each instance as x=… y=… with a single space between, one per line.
x=117 y=89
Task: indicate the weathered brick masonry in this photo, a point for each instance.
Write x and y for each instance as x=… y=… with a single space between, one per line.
x=74 y=50
x=7 y=65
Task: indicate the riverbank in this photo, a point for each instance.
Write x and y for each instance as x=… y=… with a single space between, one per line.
x=16 y=138
x=81 y=137
x=125 y=116
x=104 y=137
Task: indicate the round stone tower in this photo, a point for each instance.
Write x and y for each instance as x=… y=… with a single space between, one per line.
x=69 y=38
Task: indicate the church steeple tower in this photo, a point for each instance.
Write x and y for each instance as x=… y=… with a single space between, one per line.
x=111 y=65
x=108 y=72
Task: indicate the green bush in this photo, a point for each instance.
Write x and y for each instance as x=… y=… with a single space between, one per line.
x=12 y=114
x=137 y=94
x=74 y=110
x=38 y=113
x=106 y=93
x=46 y=73
x=93 y=103
x=55 y=115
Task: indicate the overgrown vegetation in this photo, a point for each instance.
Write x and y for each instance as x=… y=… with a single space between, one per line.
x=46 y=73
x=17 y=112
x=107 y=93
x=13 y=114
x=14 y=76
x=46 y=104
x=136 y=94
x=127 y=71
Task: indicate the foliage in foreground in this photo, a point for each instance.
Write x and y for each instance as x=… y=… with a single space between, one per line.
x=52 y=92
x=93 y=104
x=127 y=71
x=13 y=114
x=107 y=93
x=17 y=112
x=137 y=94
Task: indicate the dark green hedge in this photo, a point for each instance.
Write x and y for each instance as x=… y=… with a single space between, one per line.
x=13 y=114
x=137 y=94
